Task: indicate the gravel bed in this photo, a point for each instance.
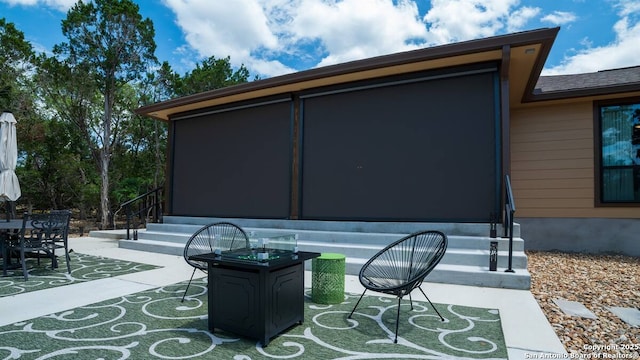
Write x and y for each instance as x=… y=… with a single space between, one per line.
x=596 y=281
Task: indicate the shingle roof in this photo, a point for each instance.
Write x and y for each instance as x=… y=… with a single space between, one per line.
x=581 y=82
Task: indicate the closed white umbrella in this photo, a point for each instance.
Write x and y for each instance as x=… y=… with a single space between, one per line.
x=9 y=185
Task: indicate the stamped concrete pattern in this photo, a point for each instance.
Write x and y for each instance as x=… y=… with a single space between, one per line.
x=525 y=328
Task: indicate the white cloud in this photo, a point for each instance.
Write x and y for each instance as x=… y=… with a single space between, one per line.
x=356 y=29
x=224 y=28
x=559 y=18
x=519 y=18
x=268 y=36
x=458 y=20
x=255 y=32
x=621 y=52
x=258 y=33
x=61 y=5
x=628 y=7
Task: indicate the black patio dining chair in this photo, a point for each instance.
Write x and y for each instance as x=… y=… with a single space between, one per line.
x=38 y=234
x=221 y=235
x=63 y=218
x=402 y=266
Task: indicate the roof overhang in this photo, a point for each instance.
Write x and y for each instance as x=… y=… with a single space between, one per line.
x=526 y=51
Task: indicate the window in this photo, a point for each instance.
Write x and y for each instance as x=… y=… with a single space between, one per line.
x=619 y=132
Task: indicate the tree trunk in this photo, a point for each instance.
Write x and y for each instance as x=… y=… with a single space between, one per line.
x=105 y=156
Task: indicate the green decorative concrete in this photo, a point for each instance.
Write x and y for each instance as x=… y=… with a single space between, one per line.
x=155 y=324
x=83 y=268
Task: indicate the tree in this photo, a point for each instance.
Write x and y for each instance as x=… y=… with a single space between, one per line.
x=159 y=85
x=211 y=74
x=72 y=98
x=115 y=45
x=15 y=61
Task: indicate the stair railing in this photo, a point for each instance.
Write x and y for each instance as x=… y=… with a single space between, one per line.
x=509 y=210
x=142 y=209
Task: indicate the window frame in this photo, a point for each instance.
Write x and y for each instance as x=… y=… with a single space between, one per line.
x=597 y=136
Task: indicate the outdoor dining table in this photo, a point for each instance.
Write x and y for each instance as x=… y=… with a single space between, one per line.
x=13 y=224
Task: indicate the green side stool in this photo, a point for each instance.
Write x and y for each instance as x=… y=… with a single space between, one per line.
x=327 y=278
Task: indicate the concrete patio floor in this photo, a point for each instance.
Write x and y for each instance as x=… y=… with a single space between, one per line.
x=527 y=332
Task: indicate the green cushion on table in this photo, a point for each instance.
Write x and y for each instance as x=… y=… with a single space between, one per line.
x=327 y=279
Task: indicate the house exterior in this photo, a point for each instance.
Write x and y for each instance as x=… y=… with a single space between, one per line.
x=574 y=162
x=426 y=135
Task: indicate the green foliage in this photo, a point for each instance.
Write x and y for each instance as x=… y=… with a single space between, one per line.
x=75 y=108
x=211 y=74
x=109 y=40
x=52 y=172
x=112 y=37
x=15 y=57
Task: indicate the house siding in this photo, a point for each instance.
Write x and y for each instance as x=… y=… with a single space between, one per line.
x=552 y=163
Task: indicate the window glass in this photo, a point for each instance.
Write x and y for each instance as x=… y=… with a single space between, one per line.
x=620 y=153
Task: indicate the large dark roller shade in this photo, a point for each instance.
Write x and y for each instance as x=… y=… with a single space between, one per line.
x=423 y=150
x=234 y=163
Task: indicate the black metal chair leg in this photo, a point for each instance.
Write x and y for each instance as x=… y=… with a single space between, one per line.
x=54 y=259
x=68 y=260
x=395 y=341
x=187 y=289
x=5 y=258
x=410 y=301
x=24 y=266
x=434 y=308
x=354 y=308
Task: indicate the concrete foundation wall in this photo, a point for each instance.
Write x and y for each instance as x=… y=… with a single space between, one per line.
x=593 y=235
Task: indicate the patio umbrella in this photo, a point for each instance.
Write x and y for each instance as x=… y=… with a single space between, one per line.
x=9 y=186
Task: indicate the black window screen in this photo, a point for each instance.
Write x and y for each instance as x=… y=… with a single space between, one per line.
x=234 y=163
x=412 y=151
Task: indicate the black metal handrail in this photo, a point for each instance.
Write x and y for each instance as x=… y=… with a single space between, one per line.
x=142 y=208
x=509 y=210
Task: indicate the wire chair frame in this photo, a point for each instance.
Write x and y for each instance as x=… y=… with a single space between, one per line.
x=401 y=267
x=220 y=235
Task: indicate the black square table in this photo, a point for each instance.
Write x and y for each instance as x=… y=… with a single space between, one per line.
x=257 y=299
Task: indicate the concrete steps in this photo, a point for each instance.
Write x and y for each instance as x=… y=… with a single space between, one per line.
x=466 y=261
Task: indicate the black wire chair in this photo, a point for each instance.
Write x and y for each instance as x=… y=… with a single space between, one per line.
x=402 y=266
x=222 y=235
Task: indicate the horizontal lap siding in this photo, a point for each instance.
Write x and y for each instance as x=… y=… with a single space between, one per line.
x=552 y=163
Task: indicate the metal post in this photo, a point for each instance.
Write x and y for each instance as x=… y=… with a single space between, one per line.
x=127 y=211
x=510 y=269
x=493 y=226
x=493 y=256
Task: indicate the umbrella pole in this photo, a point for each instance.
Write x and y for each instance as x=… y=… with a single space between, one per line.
x=9 y=207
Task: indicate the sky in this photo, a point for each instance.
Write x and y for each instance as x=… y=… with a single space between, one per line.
x=275 y=37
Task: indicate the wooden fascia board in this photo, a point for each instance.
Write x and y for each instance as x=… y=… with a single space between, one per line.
x=430 y=58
